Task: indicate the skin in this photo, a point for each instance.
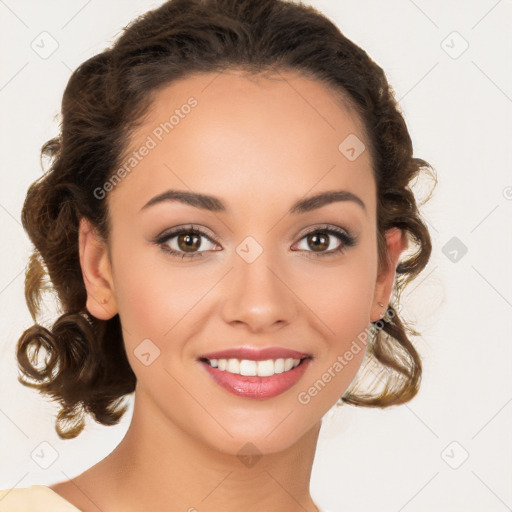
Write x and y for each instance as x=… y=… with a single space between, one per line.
x=258 y=144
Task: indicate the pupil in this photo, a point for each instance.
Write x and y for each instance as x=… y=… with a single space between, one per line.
x=315 y=238
x=188 y=242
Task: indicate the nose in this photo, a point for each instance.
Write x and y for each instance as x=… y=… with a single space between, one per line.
x=258 y=296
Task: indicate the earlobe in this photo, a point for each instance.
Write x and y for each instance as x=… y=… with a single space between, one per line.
x=96 y=272
x=396 y=242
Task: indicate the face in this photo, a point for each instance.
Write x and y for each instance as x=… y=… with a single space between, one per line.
x=246 y=268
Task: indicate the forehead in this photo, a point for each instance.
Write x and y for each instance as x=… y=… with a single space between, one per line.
x=281 y=134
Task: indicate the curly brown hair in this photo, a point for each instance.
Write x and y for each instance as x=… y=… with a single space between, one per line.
x=86 y=368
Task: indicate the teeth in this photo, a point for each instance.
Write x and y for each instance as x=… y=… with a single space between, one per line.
x=243 y=367
x=279 y=366
x=249 y=368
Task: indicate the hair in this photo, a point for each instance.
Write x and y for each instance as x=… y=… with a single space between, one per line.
x=86 y=369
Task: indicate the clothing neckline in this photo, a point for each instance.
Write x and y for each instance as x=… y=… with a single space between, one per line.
x=56 y=497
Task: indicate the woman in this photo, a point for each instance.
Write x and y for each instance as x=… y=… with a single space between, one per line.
x=224 y=222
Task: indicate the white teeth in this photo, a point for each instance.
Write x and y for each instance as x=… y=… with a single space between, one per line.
x=249 y=367
x=233 y=366
x=266 y=368
x=279 y=365
x=245 y=367
x=288 y=364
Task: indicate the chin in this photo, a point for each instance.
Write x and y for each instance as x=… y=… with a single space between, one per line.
x=265 y=437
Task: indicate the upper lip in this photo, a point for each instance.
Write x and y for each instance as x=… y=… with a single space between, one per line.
x=255 y=354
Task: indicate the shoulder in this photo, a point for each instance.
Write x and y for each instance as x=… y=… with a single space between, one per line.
x=14 y=500
x=36 y=498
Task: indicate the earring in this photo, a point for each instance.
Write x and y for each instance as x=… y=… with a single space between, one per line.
x=382 y=306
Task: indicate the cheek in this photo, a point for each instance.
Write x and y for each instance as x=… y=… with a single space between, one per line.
x=339 y=295
x=155 y=297
x=340 y=301
x=149 y=303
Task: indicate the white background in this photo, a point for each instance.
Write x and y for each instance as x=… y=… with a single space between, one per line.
x=406 y=458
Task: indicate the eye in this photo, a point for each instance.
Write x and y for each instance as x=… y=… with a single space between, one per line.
x=185 y=242
x=323 y=242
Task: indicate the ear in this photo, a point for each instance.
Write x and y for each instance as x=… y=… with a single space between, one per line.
x=396 y=242
x=96 y=272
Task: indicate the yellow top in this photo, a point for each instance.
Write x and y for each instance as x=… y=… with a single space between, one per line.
x=39 y=498
x=36 y=498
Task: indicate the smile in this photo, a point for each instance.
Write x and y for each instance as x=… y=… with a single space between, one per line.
x=252 y=368
x=256 y=379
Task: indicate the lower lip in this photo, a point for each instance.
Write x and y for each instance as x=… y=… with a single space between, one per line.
x=257 y=387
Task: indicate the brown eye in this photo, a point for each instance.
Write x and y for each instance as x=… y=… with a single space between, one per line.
x=326 y=241
x=188 y=242
x=318 y=241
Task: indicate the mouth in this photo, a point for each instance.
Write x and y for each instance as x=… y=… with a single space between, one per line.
x=252 y=368
x=256 y=377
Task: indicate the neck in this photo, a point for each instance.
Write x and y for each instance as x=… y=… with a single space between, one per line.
x=158 y=466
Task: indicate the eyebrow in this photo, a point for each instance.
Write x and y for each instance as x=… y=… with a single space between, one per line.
x=214 y=204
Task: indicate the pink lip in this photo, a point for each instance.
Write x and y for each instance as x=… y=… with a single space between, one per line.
x=254 y=386
x=255 y=354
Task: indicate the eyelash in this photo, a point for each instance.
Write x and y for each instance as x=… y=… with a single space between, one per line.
x=346 y=239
